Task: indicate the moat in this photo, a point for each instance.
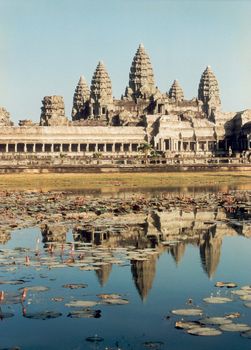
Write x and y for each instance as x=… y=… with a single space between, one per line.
x=86 y=270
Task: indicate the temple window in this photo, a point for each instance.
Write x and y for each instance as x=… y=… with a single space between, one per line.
x=65 y=147
x=101 y=147
x=134 y=147
x=167 y=145
x=2 y=148
x=92 y=147
x=74 y=147
x=83 y=147
x=109 y=147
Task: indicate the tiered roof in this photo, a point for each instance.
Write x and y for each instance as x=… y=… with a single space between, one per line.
x=101 y=85
x=81 y=96
x=208 y=87
x=176 y=92
x=141 y=78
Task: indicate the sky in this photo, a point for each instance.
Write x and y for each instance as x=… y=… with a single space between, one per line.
x=45 y=45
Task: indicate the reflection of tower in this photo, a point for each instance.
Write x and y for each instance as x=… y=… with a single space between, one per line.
x=178 y=251
x=143 y=273
x=103 y=273
x=5 y=236
x=54 y=233
x=210 y=251
x=89 y=234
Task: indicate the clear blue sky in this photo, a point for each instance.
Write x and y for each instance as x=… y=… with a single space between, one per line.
x=45 y=45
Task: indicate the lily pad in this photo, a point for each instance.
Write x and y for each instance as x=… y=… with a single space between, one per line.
x=217 y=300
x=36 y=289
x=247 y=288
x=188 y=312
x=246 y=334
x=43 y=315
x=235 y=327
x=186 y=325
x=215 y=320
x=204 y=331
x=86 y=313
x=94 y=339
x=5 y=315
x=109 y=296
x=226 y=284
x=246 y=297
x=233 y=315
x=13 y=282
x=153 y=344
x=115 y=301
x=75 y=285
x=81 y=303
x=57 y=299
x=241 y=292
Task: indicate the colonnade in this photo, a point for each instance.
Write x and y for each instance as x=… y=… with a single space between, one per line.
x=36 y=147
x=186 y=146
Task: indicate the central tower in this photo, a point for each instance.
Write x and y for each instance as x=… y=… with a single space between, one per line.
x=141 y=79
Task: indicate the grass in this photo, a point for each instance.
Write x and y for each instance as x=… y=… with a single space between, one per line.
x=116 y=181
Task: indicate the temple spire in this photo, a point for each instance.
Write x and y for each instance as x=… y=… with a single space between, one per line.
x=209 y=88
x=141 y=78
x=176 y=92
x=101 y=86
x=80 y=100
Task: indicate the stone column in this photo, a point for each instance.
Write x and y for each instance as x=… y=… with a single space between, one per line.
x=7 y=148
x=130 y=147
x=70 y=147
x=15 y=148
x=105 y=150
x=33 y=147
x=78 y=149
x=96 y=147
x=25 y=147
x=43 y=147
x=87 y=147
x=113 y=147
x=60 y=147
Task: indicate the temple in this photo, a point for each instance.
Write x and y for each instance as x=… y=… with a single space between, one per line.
x=143 y=119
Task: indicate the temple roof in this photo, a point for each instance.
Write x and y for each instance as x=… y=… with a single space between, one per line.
x=208 y=87
x=141 y=78
x=101 y=86
x=176 y=91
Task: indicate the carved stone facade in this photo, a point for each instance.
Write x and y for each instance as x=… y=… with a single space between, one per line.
x=80 y=109
x=5 y=117
x=53 y=111
x=168 y=122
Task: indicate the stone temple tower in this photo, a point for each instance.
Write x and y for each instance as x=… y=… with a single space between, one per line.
x=141 y=78
x=176 y=92
x=208 y=92
x=101 y=92
x=81 y=98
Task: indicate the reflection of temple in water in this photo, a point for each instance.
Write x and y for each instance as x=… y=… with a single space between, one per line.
x=103 y=274
x=143 y=273
x=169 y=231
x=53 y=233
x=5 y=236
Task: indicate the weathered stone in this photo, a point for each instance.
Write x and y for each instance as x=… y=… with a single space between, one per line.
x=141 y=78
x=5 y=117
x=208 y=91
x=53 y=111
x=176 y=92
x=81 y=98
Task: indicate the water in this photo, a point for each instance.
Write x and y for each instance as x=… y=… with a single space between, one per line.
x=186 y=253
